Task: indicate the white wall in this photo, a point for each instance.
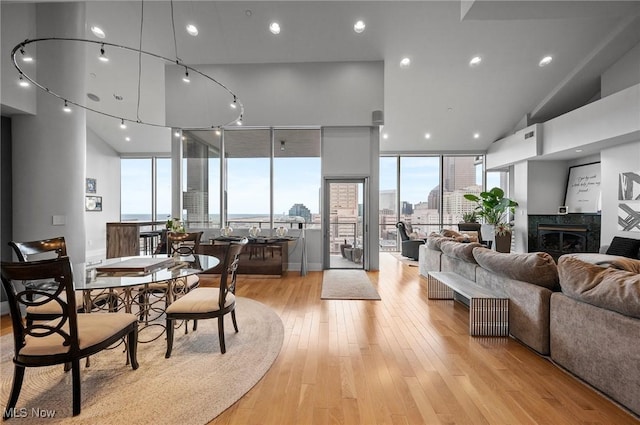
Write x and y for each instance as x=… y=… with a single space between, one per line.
x=18 y=24
x=103 y=164
x=624 y=73
x=614 y=161
x=519 y=173
x=292 y=94
x=546 y=186
x=354 y=152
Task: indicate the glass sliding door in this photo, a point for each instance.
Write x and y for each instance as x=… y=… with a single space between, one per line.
x=388 y=214
x=343 y=215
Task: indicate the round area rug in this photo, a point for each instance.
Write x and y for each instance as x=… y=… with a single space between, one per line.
x=192 y=387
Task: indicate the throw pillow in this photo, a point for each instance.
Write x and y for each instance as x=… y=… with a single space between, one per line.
x=537 y=268
x=435 y=239
x=608 y=288
x=450 y=233
x=625 y=247
x=628 y=264
x=461 y=251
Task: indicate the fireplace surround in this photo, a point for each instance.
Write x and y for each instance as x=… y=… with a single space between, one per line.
x=558 y=234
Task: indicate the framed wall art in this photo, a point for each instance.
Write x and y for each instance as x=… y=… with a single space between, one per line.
x=91 y=185
x=93 y=203
x=583 y=189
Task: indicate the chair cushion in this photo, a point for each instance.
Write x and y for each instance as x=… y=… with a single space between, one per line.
x=200 y=300
x=93 y=328
x=53 y=307
x=608 y=288
x=537 y=268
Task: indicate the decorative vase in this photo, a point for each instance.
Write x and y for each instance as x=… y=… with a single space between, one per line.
x=281 y=231
x=254 y=231
x=226 y=231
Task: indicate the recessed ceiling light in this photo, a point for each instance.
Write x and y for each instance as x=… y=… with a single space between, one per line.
x=27 y=59
x=97 y=31
x=545 y=61
x=475 y=61
x=405 y=63
x=359 y=26
x=274 y=27
x=128 y=139
x=192 y=30
x=385 y=136
x=218 y=132
x=177 y=134
x=427 y=135
x=248 y=12
x=578 y=150
x=476 y=135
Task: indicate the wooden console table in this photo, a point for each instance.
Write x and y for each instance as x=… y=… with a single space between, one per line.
x=261 y=256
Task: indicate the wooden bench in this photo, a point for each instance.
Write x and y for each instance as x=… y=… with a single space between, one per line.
x=488 y=312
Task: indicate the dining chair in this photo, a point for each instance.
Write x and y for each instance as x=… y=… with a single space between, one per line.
x=68 y=337
x=178 y=244
x=209 y=303
x=52 y=248
x=43 y=249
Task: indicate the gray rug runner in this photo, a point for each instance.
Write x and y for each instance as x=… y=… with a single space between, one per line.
x=347 y=285
x=194 y=386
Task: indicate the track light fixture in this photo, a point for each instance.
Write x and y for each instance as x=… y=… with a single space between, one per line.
x=102 y=57
x=25 y=79
x=66 y=107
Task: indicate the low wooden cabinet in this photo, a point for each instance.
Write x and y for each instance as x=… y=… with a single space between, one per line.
x=271 y=258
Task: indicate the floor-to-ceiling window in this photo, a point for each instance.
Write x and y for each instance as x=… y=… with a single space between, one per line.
x=145 y=189
x=296 y=177
x=426 y=192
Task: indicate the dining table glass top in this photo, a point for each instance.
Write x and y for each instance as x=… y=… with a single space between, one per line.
x=125 y=272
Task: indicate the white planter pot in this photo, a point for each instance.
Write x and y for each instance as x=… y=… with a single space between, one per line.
x=488 y=232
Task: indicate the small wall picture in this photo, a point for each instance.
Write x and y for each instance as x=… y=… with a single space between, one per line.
x=629 y=186
x=629 y=217
x=91 y=185
x=563 y=209
x=93 y=203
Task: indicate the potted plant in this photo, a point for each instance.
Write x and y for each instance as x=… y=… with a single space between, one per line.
x=493 y=207
x=469 y=222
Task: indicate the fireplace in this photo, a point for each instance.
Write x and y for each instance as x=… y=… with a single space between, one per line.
x=559 y=239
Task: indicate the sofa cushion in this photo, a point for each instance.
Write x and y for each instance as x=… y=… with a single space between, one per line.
x=608 y=288
x=435 y=239
x=625 y=247
x=537 y=268
x=459 y=250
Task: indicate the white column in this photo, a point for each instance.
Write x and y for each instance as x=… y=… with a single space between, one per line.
x=49 y=148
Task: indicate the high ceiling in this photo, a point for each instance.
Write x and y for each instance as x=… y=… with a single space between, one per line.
x=439 y=93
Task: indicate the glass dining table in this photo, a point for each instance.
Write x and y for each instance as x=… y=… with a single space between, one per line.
x=142 y=285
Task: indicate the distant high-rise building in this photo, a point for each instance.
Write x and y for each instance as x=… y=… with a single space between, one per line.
x=406 y=208
x=458 y=172
x=301 y=211
x=388 y=200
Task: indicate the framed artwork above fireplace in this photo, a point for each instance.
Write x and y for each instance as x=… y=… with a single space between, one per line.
x=583 y=193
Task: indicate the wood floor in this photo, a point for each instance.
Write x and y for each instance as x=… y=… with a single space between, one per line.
x=402 y=360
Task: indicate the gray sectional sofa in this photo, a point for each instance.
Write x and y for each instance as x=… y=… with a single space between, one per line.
x=584 y=317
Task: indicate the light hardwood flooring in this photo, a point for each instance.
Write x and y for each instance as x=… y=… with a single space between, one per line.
x=402 y=360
